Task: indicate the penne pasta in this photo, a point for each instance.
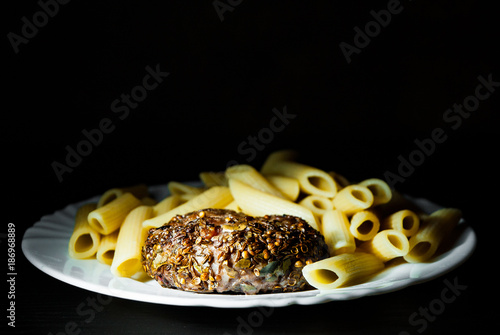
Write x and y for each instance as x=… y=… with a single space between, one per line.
x=364 y=225
x=387 y=244
x=335 y=229
x=249 y=175
x=131 y=237
x=176 y=188
x=211 y=179
x=139 y=191
x=311 y=180
x=289 y=187
x=108 y=218
x=353 y=198
x=214 y=197
x=233 y=205
x=257 y=203
x=276 y=157
x=106 y=250
x=398 y=202
x=340 y=180
x=167 y=204
x=434 y=228
x=84 y=240
x=148 y=201
x=341 y=270
x=382 y=193
x=405 y=221
x=317 y=204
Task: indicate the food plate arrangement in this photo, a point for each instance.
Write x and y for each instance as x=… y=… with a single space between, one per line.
x=45 y=245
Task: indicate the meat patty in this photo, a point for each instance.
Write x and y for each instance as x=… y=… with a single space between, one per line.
x=217 y=250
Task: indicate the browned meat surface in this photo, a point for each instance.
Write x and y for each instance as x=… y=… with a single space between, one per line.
x=216 y=250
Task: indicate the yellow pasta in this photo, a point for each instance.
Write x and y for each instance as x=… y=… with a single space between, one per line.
x=317 y=204
x=106 y=250
x=139 y=191
x=353 y=198
x=405 y=221
x=84 y=240
x=249 y=175
x=276 y=157
x=339 y=180
x=148 y=201
x=311 y=180
x=211 y=179
x=257 y=203
x=131 y=237
x=335 y=229
x=341 y=270
x=167 y=204
x=434 y=228
x=364 y=225
x=233 y=205
x=382 y=193
x=387 y=244
x=289 y=187
x=108 y=218
x=214 y=197
x=176 y=188
x=116 y=227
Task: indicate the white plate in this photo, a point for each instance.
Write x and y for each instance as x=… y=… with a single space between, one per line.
x=46 y=246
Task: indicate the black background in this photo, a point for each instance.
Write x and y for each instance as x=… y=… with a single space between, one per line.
x=226 y=77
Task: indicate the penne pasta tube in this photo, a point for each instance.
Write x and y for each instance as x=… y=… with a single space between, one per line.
x=311 y=180
x=341 y=270
x=364 y=225
x=84 y=240
x=317 y=204
x=405 y=221
x=387 y=244
x=257 y=203
x=339 y=180
x=335 y=229
x=131 y=237
x=139 y=191
x=214 y=197
x=108 y=218
x=211 y=179
x=233 y=205
x=276 y=157
x=148 y=201
x=289 y=187
x=353 y=198
x=382 y=193
x=249 y=175
x=432 y=231
x=176 y=188
x=106 y=250
x=398 y=202
x=167 y=204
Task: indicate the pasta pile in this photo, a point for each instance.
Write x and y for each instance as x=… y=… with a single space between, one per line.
x=365 y=224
